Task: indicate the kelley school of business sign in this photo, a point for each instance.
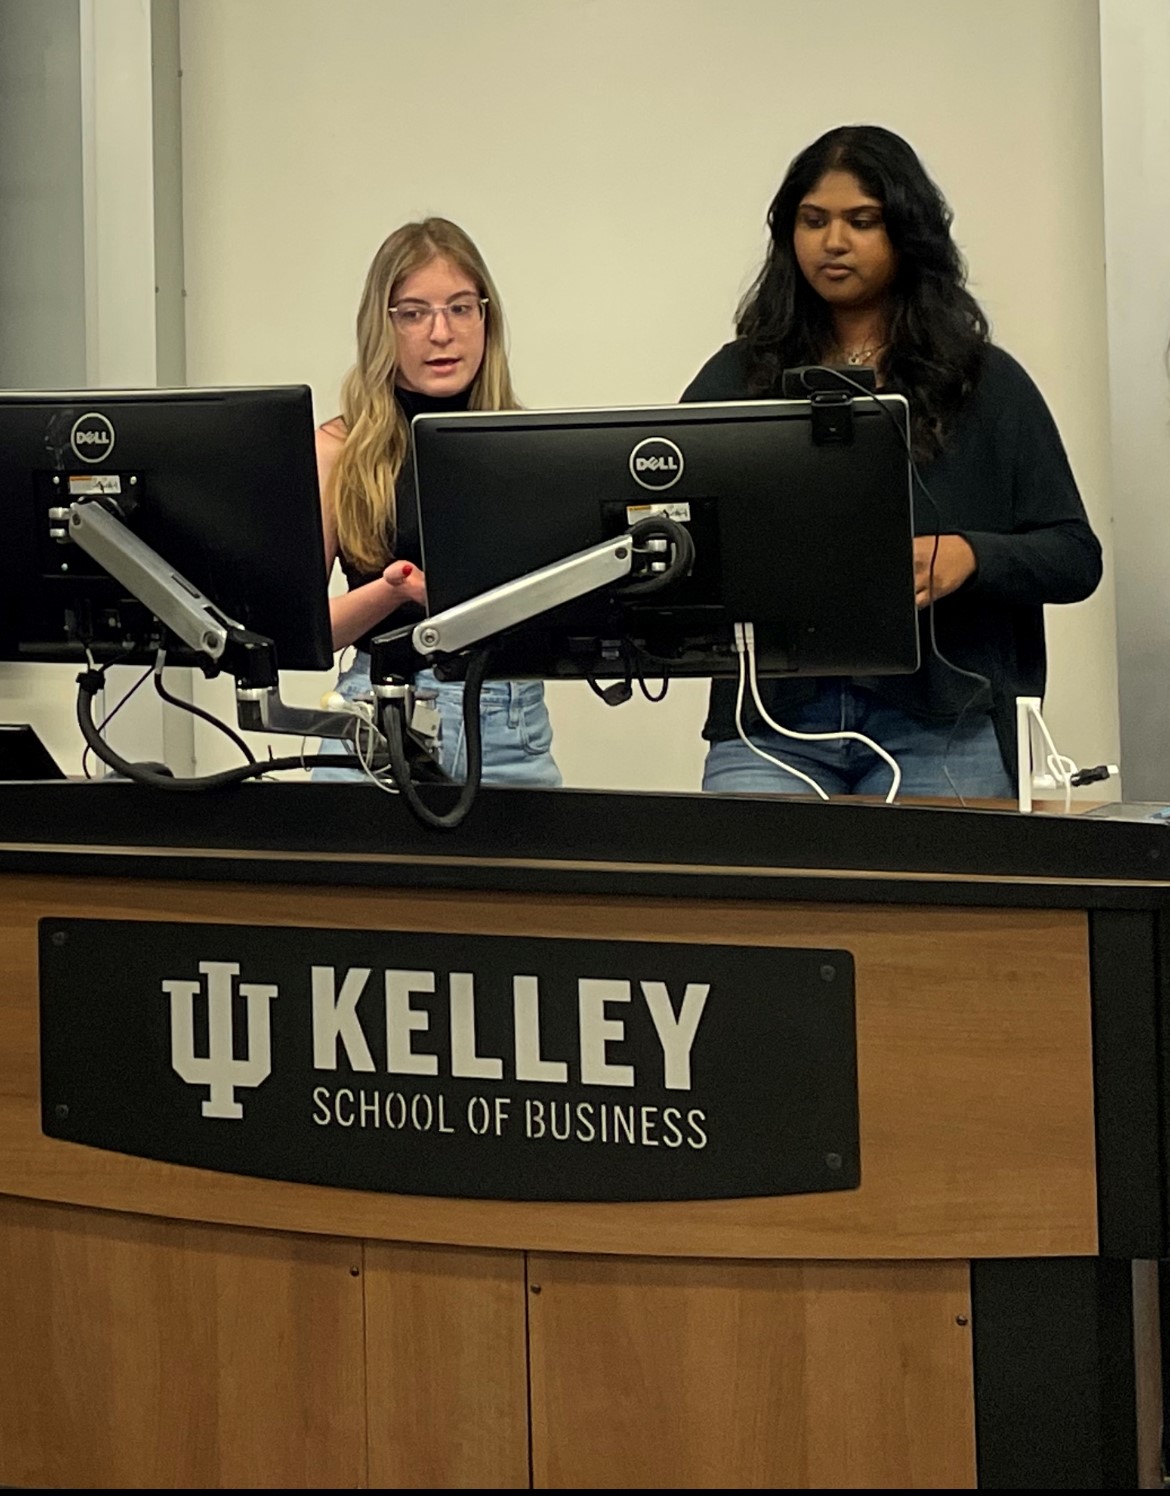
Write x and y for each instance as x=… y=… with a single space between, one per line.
x=499 y=1067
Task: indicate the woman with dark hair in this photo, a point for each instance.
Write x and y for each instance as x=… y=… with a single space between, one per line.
x=862 y=270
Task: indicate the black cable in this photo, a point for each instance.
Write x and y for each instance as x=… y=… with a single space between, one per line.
x=110 y=715
x=395 y=733
x=620 y=691
x=679 y=562
x=636 y=658
x=89 y=683
x=1091 y=776
x=116 y=660
x=197 y=711
x=680 y=553
x=645 y=689
x=984 y=684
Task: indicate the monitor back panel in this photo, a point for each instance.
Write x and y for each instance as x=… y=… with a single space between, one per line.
x=812 y=543
x=221 y=483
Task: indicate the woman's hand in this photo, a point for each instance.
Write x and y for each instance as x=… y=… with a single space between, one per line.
x=953 y=563
x=408 y=582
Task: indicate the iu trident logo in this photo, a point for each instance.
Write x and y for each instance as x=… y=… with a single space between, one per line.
x=220 y=1070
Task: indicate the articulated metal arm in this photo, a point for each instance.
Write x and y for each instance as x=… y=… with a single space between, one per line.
x=173 y=600
x=194 y=619
x=515 y=602
x=654 y=553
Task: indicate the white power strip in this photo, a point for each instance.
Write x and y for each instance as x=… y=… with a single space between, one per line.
x=1061 y=770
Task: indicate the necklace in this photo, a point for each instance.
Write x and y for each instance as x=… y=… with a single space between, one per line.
x=864 y=355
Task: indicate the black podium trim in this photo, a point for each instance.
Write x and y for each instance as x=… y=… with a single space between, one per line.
x=1162 y=1012
x=1055 y=1389
x=543 y=834
x=1128 y=1071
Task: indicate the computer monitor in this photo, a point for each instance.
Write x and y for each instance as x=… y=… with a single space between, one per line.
x=801 y=514
x=222 y=483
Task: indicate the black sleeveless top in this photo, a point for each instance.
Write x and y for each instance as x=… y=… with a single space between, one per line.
x=405 y=542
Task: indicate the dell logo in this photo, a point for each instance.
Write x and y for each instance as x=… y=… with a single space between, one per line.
x=656 y=463
x=92 y=437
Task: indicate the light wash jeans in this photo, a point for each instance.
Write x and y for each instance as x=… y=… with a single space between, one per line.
x=517 y=733
x=926 y=753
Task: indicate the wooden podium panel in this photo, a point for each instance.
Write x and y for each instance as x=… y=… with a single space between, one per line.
x=447 y=1357
x=820 y=1376
x=981 y=1308
x=147 y=1353
x=974 y=1059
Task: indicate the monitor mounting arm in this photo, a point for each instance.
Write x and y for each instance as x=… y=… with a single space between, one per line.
x=195 y=620
x=649 y=556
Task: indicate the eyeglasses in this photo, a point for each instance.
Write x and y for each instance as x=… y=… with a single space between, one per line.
x=414 y=316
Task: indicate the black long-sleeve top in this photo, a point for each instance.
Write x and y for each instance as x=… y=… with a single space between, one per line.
x=405 y=542
x=1003 y=482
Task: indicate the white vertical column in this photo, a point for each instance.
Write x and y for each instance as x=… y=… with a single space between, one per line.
x=133 y=263
x=117 y=116
x=42 y=282
x=1135 y=111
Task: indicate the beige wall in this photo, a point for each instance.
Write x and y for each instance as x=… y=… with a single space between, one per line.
x=614 y=159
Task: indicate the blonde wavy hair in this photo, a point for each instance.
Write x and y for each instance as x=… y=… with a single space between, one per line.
x=377 y=434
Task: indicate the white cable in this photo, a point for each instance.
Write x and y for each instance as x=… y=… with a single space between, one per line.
x=1061 y=768
x=749 y=648
x=779 y=763
x=364 y=737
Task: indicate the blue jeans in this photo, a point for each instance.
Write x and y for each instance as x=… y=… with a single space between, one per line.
x=927 y=752
x=517 y=733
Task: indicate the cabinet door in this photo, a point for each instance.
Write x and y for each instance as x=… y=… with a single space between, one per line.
x=148 y=1353
x=447 y=1368
x=662 y=1374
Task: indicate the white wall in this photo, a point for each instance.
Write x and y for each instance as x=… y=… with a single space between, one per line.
x=1135 y=69
x=614 y=160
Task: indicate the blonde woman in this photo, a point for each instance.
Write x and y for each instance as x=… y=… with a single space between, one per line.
x=430 y=337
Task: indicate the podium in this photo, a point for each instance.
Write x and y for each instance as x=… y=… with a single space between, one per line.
x=977 y=1307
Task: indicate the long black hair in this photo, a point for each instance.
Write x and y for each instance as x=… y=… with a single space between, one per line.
x=937 y=331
